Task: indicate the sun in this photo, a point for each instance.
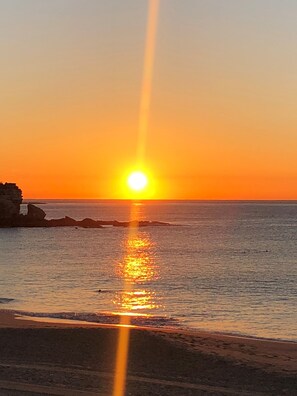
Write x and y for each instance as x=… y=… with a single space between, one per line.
x=137 y=181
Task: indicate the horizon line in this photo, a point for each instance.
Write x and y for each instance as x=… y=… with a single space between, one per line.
x=168 y=199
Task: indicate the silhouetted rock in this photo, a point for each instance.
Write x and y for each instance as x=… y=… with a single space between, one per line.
x=7 y=209
x=35 y=212
x=11 y=199
x=69 y=222
x=89 y=223
x=135 y=223
x=10 y=202
x=11 y=192
x=31 y=221
x=27 y=221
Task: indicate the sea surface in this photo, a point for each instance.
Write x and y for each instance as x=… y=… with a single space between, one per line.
x=221 y=266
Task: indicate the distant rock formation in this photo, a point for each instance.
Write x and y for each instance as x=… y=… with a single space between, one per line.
x=27 y=221
x=34 y=212
x=10 y=203
x=7 y=210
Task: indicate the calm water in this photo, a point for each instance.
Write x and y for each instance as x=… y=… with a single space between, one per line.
x=223 y=266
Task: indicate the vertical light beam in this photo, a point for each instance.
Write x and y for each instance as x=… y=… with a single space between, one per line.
x=124 y=329
x=146 y=89
x=145 y=100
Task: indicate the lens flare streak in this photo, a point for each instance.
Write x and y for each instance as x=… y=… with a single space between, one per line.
x=137 y=271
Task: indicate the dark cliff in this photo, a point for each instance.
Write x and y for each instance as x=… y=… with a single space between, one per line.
x=10 y=202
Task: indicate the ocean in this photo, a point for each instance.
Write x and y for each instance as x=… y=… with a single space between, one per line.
x=222 y=266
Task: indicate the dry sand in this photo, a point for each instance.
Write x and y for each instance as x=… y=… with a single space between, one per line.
x=38 y=358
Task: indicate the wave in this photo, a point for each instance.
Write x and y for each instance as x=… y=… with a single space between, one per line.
x=4 y=300
x=106 y=318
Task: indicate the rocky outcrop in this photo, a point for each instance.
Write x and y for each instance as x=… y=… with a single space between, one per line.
x=11 y=192
x=7 y=210
x=27 y=221
x=34 y=212
x=10 y=202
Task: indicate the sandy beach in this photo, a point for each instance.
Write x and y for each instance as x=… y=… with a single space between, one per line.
x=39 y=358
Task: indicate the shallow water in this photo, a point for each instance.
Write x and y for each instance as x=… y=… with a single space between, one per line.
x=222 y=266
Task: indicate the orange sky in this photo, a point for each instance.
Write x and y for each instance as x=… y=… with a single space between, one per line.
x=222 y=122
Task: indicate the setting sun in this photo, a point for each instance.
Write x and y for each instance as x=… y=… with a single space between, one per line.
x=148 y=193
x=137 y=181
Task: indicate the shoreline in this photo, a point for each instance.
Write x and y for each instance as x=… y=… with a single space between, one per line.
x=161 y=361
x=43 y=318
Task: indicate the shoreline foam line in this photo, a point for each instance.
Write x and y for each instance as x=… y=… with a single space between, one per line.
x=53 y=318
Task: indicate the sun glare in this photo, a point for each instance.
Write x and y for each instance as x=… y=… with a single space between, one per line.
x=137 y=181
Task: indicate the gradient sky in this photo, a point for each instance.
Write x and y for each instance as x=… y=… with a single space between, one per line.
x=223 y=121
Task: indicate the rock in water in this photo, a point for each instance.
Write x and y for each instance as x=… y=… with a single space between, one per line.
x=10 y=202
x=35 y=213
x=7 y=209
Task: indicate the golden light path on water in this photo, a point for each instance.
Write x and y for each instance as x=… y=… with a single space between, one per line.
x=136 y=269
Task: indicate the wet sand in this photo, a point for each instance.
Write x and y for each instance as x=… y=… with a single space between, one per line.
x=38 y=358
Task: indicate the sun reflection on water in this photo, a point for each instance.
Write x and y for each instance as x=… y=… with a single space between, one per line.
x=139 y=270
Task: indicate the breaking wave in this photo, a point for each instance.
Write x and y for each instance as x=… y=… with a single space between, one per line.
x=106 y=318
